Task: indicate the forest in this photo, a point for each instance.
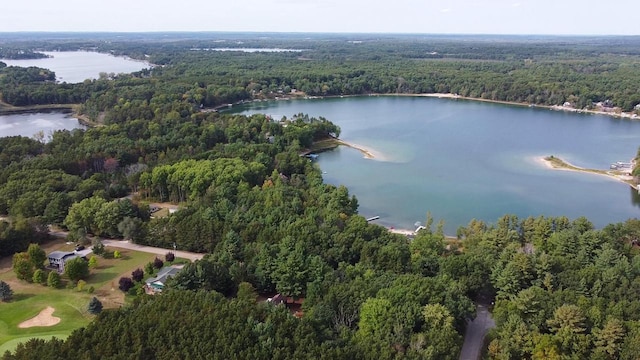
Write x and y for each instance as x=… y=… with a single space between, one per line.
x=269 y=225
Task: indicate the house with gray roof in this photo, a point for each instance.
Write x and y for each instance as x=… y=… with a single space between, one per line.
x=58 y=259
x=156 y=284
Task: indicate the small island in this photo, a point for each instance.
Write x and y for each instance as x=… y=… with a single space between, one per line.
x=619 y=174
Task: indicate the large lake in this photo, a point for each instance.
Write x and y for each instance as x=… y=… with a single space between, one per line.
x=76 y=66
x=30 y=123
x=464 y=159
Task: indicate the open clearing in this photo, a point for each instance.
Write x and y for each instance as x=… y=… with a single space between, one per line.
x=70 y=305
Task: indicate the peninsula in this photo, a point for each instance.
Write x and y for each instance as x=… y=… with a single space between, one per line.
x=557 y=163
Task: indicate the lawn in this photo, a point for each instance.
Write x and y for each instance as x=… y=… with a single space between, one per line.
x=70 y=305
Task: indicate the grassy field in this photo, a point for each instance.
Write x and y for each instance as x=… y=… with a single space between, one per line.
x=70 y=305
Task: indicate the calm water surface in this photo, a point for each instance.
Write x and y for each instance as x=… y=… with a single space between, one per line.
x=463 y=159
x=29 y=124
x=76 y=66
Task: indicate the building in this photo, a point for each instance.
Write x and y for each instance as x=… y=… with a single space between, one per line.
x=156 y=284
x=58 y=259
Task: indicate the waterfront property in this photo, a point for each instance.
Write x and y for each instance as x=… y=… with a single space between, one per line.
x=466 y=159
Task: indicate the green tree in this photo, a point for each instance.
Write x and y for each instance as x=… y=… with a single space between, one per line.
x=375 y=319
x=439 y=338
x=609 y=340
x=131 y=228
x=53 y=280
x=76 y=269
x=36 y=255
x=95 y=306
x=291 y=272
x=22 y=266
x=98 y=248
x=82 y=215
x=39 y=277
x=6 y=293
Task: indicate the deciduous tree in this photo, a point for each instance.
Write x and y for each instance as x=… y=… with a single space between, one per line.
x=76 y=269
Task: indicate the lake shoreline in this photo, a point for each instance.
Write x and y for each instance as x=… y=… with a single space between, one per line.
x=332 y=143
x=625 y=115
x=556 y=163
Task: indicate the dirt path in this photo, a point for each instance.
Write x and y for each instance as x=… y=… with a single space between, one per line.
x=475 y=334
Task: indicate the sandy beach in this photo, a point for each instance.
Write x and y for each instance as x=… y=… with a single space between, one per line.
x=367 y=152
x=618 y=177
x=550 y=107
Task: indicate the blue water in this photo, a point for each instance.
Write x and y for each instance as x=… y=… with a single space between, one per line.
x=463 y=159
x=31 y=123
x=77 y=66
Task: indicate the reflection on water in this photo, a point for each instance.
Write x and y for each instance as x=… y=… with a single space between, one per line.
x=635 y=197
x=463 y=159
x=31 y=123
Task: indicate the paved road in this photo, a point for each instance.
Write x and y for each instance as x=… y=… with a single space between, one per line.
x=122 y=244
x=149 y=249
x=476 y=331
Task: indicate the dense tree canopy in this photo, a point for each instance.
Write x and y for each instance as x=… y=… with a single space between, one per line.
x=269 y=225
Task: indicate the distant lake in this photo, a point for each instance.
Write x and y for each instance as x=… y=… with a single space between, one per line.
x=248 y=50
x=30 y=123
x=77 y=66
x=464 y=159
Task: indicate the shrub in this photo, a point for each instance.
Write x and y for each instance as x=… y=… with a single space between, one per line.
x=125 y=284
x=93 y=262
x=117 y=255
x=157 y=263
x=81 y=284
x=91 y=289
x=137 y=275
x=170 y=257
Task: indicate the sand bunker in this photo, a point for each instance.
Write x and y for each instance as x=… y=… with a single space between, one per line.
x=45 y=318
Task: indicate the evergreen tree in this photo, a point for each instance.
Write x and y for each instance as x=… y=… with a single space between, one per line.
x=95 y=306
x=5 y=291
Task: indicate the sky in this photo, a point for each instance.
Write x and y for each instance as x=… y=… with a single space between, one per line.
x=546 y=17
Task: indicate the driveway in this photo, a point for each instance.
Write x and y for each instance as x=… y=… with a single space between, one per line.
x=475 y=334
